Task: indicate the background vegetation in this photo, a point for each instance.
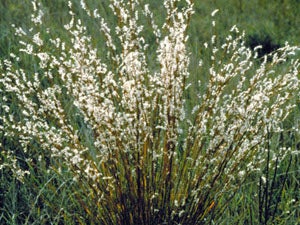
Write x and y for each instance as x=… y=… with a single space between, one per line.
x=273 y=197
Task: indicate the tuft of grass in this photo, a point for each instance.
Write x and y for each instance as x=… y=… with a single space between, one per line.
x=121 y=125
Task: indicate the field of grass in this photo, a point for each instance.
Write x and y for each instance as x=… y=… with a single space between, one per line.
x=51 y=194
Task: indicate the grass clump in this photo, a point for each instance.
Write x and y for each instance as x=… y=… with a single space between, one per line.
x=121 y=131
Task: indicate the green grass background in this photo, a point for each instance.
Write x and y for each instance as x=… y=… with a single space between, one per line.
x=45 y=197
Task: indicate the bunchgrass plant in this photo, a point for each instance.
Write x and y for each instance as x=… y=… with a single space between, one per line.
x=122 y=125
